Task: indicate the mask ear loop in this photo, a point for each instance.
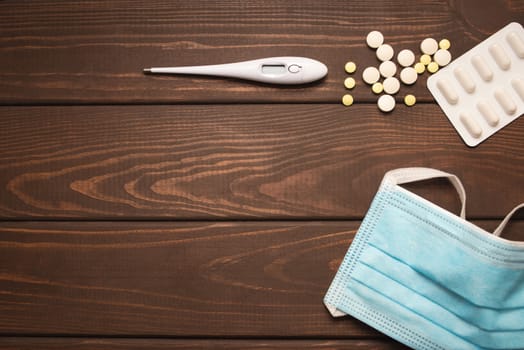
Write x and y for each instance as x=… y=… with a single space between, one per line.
x=498 y=230
x=406 y=175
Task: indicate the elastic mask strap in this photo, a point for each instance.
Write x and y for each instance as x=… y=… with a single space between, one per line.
x=498 y=230
x=407 y=175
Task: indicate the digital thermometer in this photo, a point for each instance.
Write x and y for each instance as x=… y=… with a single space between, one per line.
x=273 y=70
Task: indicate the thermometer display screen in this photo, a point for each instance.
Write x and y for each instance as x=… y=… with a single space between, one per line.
x=273 y=69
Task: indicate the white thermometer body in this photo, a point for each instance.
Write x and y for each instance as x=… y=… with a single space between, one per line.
x=273 y=70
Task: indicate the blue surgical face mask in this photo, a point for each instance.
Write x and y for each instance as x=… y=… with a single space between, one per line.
x=429 y=278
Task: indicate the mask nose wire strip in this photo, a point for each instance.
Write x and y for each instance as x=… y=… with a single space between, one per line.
x=406 y=175
x=498 y=230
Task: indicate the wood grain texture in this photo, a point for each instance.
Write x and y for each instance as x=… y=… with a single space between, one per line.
x=251 y=161
x=214 y=279
x=172 y=279
x=172 y=186
x=21 y=343
x=94 y=52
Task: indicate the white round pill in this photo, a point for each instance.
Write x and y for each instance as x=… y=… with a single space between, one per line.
x=387 y=69
x=391 y=85
x=374 y=39
x=442 y=57
x=386 y=103
x=370 y=75
x=429 y=46
x=385 y=52
x=408 y=75
x=406 y=58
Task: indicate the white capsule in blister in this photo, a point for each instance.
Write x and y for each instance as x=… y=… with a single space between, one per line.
x=518 y=86
x=490 y=116
x=471 y=125
x=482 y=91
x=516 y=44
x=448 y=91
x=482 y=68
x=464 y=79
x=500 y=56
x=505 y=101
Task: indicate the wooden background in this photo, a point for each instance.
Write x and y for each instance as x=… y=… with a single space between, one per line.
x=169 y=212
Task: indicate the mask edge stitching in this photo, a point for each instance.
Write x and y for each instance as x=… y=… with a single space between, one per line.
x=496 y=245
x=387 y=322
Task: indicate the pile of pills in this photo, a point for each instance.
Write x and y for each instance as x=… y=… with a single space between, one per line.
x=386 y=78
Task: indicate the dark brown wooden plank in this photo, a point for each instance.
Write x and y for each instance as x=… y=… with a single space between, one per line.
x=171 y=279
x=11 y=343
x=256 y=279
x=247 y=161
x=84 y=52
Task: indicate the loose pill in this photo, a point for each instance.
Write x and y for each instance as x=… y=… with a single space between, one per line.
x=350 y=67
x=433 y=67
x=500 y=56
x=471 y=125
x=425 y=59
x=377 y=88
x=488 y=113
x=518 y=86
x=482 y=68
x=444 y=44
x=385 y=52
x=349 y=83
x=374 y=39
x=516 y=43
x=408 y=75
x=442 y=57
x=464 y=79
x=391 y=85
x=429 y=46
x=347 y=100
x=505 y=101
x=386 y=103
x=406 y=58
x=410 y=100
x=447 y=91
x=387 y=69
x=420 y=67
x=370 y=75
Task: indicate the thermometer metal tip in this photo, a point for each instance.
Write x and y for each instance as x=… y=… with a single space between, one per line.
x=147 y=70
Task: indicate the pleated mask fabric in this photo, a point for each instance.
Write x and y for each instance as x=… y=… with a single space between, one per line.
x=429 y=278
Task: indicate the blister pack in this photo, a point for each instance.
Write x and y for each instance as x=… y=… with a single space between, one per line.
x=482 y=91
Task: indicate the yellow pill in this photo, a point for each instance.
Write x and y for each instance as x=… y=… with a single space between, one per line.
x=349 y=83
x=433 y=67
x=410 y=100
x=444 y=44
x=350 y=67
x=425 y=59
x=377 y=88
x=347 y=100
x=419 y=67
